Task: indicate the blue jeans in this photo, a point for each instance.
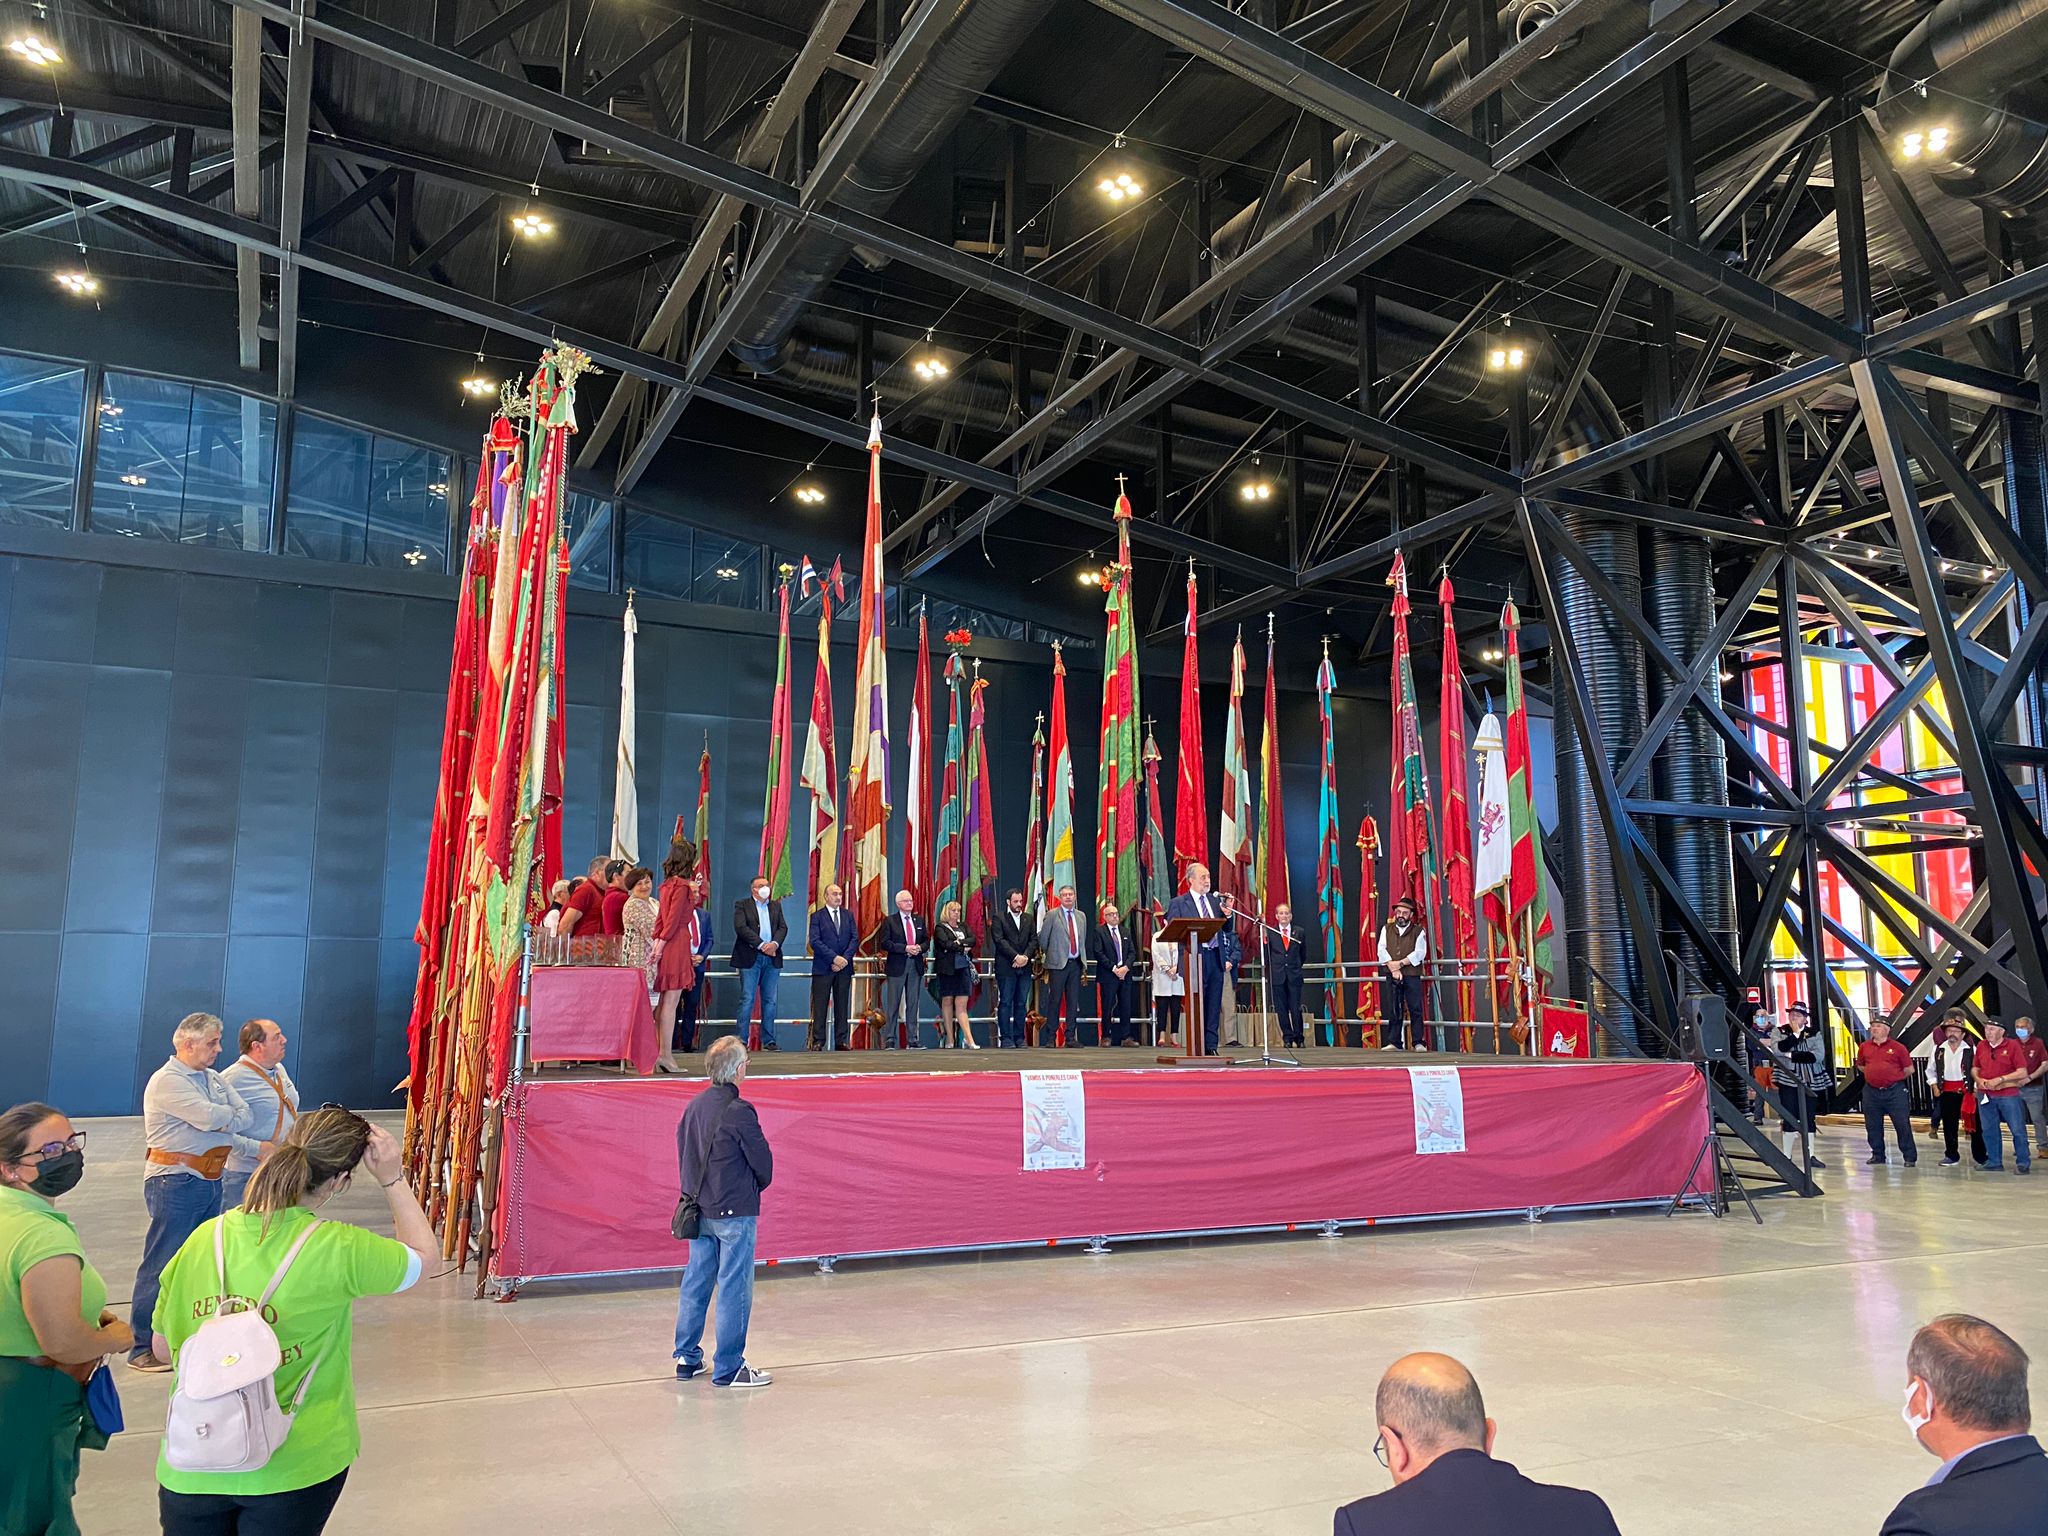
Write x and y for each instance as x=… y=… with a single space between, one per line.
x=232 y=1186
x=764 y=976
x=179 y=1204
x=721 y=1256
x=2008 y=1111
x=1013 y=1002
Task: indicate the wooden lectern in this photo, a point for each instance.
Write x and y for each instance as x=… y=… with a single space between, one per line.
x=1191 y=933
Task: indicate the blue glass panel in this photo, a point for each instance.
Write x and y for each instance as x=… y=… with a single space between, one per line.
x=728 y=572
x=587 y=524
x=658 y=554
x=183 y=464
x=40 y=404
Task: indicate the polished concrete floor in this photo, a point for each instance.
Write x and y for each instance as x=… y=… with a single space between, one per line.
x=1701 y=1375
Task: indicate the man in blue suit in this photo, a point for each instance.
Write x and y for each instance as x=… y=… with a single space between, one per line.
x=833 y=942
x=1196 y=901
x=1435 y=1437
x=1966 y=1402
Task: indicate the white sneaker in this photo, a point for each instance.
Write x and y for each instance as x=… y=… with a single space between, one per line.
x=1390 y=1047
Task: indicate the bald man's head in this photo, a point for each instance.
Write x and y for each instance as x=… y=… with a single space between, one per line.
x=1432 y=1405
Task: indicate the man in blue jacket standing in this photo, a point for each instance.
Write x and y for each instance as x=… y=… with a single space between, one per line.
x=726 y=1163
x=834 y=939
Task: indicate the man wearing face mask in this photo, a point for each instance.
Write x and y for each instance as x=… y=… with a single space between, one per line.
x=2031 y=1091
x=1966 y=1402
x=54 y=1324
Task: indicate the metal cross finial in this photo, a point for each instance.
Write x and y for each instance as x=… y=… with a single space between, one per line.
x=1119 y=482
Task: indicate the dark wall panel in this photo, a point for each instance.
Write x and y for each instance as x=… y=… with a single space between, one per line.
x=28 y=1008
x=195 y=868
x=99 y=1020
x=42 y=718
x=120 y=801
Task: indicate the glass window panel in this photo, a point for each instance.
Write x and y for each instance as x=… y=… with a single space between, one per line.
x=658 y=555
x=229 y=463
x=728 y=572
x=587 y=524
x=182 y=463
x=408 y=523
x=326 y=511
x=40 y=404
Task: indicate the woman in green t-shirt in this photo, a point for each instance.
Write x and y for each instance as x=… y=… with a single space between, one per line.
x=54 y=1324
x=310 y=1311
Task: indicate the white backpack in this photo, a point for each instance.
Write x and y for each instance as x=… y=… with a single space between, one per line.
x=224 y=1414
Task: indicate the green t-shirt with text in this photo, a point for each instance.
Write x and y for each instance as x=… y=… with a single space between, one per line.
x=32 y=1230
x=310 y=1314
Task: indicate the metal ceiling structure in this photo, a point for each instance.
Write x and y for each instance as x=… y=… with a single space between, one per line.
x=1782 y=379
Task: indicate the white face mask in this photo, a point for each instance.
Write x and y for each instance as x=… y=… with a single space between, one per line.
x=1915 y=1422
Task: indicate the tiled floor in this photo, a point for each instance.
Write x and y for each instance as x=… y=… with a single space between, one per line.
x=1702 y=1376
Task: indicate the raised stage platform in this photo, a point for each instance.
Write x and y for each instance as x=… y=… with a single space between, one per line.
x=884 y=1153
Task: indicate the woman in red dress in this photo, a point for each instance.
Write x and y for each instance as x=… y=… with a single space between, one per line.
x=675 y=955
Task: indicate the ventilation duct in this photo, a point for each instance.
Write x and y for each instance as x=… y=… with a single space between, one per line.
x=1973 y=68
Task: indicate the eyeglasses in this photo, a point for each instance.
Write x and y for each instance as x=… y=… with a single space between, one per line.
x=1379 y=1448
x=75 y=1142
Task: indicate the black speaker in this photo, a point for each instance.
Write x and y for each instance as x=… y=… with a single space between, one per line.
x=1706 y=1026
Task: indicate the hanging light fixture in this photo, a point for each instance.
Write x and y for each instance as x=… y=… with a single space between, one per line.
x=79 y=283
x=35 y=50
x=930 y=367
x=1255 y=487
x=531 y=224
x=131 y=478
x=1929 y=141
x=1121 y=187
x=808 y=491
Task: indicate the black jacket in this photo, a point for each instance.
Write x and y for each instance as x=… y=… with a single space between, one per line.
x=1996 y=1490
x=747 y=935
x=1468 y=1493
x=895 y=962
x=1013 y=936
x=741 y=1166
x=1284 y=965
x=1104 y=954
x=952 y=950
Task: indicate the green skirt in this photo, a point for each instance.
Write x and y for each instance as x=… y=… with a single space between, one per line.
x=44 y=1411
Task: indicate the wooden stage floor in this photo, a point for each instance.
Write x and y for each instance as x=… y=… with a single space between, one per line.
x=788 y=1063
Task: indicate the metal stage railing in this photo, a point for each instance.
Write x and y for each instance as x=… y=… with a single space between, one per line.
x=1491 y=1035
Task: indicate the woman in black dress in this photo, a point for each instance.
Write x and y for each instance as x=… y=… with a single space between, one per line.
x=953 y=978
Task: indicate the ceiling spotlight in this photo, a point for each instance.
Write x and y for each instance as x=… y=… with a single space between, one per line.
x=1256 y=487
x=438 y=488
x=810 y=495
x=726 y=573
x=108 y=408
x=80 y=285
x=131 y=478
x=415 y=556
x=34 y=50
x=1091 y=578
x=1930 y=141
x=477 y=387
x=1505 y=359
x=532 y=226
x=1123 y=185
x=930 y=368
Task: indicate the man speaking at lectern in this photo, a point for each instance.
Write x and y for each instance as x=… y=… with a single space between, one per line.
x=1196 y=901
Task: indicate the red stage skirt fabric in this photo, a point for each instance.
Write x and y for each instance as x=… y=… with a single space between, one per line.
x=892 y=1162
x=592 y=1013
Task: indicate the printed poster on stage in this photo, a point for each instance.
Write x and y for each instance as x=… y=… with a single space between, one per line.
x=1439 y=1109
x=1055 y=1121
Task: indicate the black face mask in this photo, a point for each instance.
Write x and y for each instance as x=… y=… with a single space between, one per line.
x=59 y=1175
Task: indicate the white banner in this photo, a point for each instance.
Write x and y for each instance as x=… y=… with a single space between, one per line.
x=1492 y=867
x=1055 y=1121
x=625 y=782
x=1439 y=1109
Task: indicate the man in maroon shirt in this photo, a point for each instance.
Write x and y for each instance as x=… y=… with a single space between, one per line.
x=2001 y=1068
x=2035 y=1088
x=585 y=910
x=612 y=913
x=1886 y=1066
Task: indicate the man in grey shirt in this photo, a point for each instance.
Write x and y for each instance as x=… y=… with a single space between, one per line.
x=258 y=1075
x=193 y=1121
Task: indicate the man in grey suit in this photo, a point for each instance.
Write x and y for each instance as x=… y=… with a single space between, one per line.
x=1063 y=940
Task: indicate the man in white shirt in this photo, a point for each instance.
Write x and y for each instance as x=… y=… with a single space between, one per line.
x=258 y=1075
x=1404 y=949
x=193 y=1121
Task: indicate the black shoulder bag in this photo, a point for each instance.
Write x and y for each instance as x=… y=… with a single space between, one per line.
x=689 y=1216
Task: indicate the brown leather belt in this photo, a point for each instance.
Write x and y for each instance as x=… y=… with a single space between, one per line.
x=208 y=1165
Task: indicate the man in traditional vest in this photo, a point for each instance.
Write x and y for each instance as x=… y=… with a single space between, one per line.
x=258 y=1075
x=1403 y=951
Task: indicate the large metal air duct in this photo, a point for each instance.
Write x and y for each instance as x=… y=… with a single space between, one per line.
x=1972 y=70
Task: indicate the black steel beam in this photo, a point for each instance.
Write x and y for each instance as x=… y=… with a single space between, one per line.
x=1885 y=407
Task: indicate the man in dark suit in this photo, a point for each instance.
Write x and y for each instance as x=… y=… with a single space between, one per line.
x=1966 y=1402
x=1016 y=943
x=1063 y=940
x=1110 y=948
x=1284 y=956
x=1196 y=901
x=1436 y=1439
x=833 y=942
x=758 y=929
x=906 y=941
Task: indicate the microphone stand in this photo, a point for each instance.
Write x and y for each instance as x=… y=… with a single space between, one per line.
x=1267 y=1057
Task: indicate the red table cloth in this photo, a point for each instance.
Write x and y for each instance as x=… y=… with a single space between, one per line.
x=592 y=1013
